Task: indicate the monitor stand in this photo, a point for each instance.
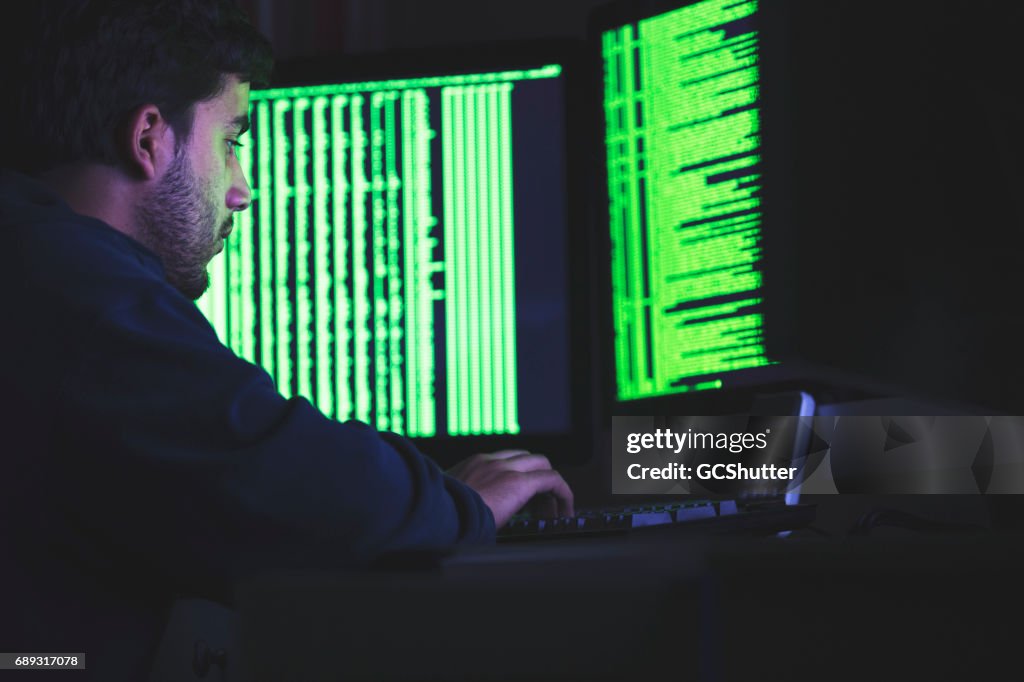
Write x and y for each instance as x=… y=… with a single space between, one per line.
x=796 y=404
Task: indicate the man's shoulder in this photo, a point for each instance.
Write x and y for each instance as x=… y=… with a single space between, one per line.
x=50 y=250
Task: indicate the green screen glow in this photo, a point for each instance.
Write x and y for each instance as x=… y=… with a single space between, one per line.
x=682 y=123
x=351 y=265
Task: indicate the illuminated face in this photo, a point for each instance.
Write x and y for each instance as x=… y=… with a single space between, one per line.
x=188 y=215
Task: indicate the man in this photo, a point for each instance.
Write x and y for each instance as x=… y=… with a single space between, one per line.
x=142 y=459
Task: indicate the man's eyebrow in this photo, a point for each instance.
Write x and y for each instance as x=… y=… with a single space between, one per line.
x=240 y=122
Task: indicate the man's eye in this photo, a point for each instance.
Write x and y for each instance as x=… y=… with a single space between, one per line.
x=234 y=146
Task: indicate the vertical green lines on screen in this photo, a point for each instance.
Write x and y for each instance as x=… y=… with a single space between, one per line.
x=627 y=255
x=264 y=205
x=378 y=265
x=360 y=281
x=494 y=414
x=479 y=257
x=246 y=224
x=303 y=290
x=418 y=244
x=459 y=399
x=340 y=143
x=388 y=384
x=324 y=363
x=392 y=191
x=473 y=261
x=508 y=271
x=481 y=122
x=412 y=271
x=334 y=282
x=426 y=225
x=451 y=263
x=282 y=293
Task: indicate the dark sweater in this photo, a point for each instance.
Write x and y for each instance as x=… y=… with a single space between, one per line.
x=142 y=459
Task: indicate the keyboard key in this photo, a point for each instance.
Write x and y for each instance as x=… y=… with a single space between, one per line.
x=651 y=519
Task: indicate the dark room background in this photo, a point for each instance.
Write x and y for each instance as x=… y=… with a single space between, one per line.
x=307 y=28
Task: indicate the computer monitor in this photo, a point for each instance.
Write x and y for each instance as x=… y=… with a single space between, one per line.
x=813 y=197
x=685 y=217
x=408 y=256
x=902 y=138
x=685 y=193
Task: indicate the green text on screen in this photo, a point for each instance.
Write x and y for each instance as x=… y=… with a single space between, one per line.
x=333 y=277
x=681 y=99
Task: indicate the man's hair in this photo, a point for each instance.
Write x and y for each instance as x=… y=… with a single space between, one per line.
x=76 y=70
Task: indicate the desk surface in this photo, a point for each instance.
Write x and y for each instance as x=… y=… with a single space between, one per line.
x=706 y=608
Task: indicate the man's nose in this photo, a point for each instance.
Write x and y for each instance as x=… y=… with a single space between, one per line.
x=239 y=196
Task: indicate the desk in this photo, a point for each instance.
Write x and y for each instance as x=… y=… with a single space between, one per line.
x=626 y=609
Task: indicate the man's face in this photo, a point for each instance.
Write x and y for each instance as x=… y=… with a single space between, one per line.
x=188 y=214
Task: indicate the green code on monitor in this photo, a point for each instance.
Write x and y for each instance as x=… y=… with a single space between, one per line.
x=381 y=224
x=681 y=98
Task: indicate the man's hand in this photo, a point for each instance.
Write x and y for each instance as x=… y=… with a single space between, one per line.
x=508 y=479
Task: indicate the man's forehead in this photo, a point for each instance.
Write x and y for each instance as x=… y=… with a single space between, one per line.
x=235 y=97
x=230 y=103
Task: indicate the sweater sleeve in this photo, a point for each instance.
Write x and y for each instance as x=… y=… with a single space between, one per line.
x=184 y=458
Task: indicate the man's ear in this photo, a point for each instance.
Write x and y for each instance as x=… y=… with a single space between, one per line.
x=149 y=142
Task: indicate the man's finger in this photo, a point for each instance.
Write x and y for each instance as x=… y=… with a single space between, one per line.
x=544 y=506
x=549 y=481
x=505 y=454
x=526 y=462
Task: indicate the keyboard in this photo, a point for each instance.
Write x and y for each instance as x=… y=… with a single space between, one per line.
x=699 y=514
x=615 y=519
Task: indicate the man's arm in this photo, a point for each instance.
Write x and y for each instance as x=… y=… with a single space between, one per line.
x=178 y=455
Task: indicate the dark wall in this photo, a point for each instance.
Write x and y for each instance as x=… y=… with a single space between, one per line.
x=303 y=28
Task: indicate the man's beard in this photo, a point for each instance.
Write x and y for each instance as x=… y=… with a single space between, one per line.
x=178 y=222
